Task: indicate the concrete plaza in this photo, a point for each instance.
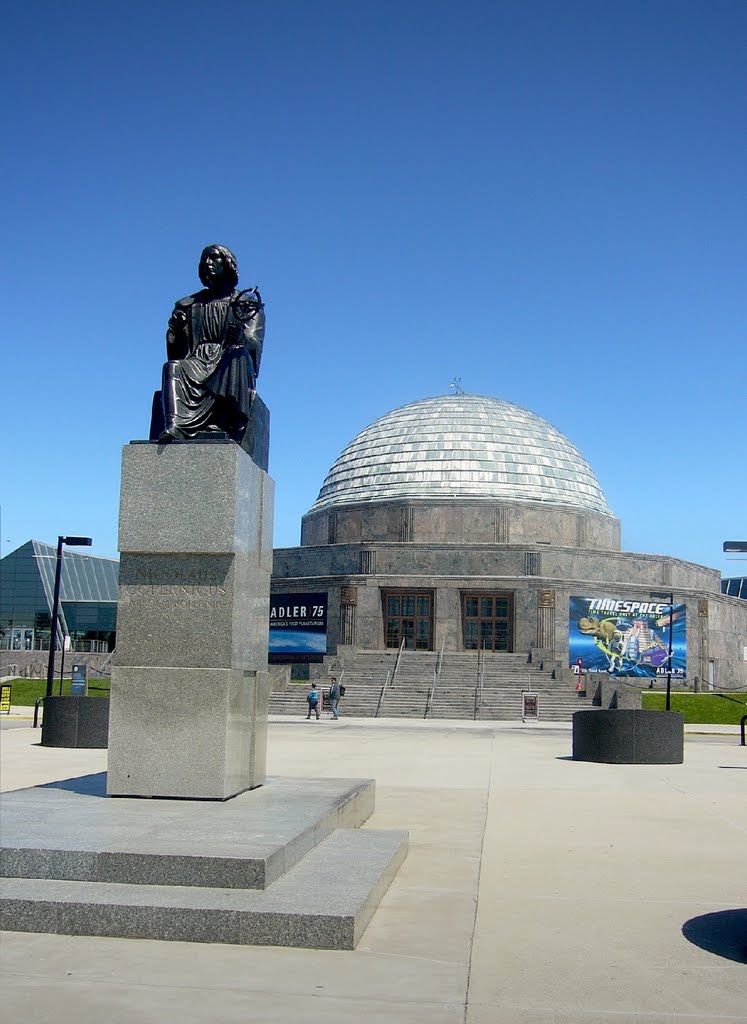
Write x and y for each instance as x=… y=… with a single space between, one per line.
x=537 y=890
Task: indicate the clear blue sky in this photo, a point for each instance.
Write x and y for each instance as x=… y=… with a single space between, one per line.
x=545 y=199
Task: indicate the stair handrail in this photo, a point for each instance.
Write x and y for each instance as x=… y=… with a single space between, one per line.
x=396 y=661
x=480 y=680
x=436 y=675
x=381 y=694
x=101 y=670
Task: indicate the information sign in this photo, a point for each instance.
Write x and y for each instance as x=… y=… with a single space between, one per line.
x=529 y=705
x=298 y=627
x=79 y=681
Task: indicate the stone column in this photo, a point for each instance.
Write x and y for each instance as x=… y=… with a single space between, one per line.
x=447 y=619
x=348 y=605
x=546 y=621
x=190 y=682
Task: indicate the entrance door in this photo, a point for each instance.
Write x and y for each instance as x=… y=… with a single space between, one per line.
x=408 y=616
x=487 y=622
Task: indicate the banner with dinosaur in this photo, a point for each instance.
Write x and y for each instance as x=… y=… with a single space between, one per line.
x=626 y=636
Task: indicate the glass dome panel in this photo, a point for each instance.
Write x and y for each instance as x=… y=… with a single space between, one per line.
x=462 y=446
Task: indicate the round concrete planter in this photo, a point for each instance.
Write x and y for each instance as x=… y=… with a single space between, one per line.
x=629 y=737
x=75 y=722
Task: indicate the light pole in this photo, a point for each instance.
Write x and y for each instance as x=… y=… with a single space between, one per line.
x=77 y=542
x=669 y=596
x=735 y=546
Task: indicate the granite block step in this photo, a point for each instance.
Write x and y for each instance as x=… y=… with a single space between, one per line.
x=323 y=902
x=72 y=831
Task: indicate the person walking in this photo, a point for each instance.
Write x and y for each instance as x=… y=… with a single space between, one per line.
x=334 y=698
x=313 y=700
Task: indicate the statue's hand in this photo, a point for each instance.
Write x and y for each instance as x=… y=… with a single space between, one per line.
x=178 y=318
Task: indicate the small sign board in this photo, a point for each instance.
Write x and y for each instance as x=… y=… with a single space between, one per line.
x=6 y=691
x=298 y=628
x=529 y=705
x=79 y=681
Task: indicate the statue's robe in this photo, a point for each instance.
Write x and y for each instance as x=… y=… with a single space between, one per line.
x=214 y=355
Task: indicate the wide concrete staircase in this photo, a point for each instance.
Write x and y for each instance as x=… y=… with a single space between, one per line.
x=456 y=693
x=504 y=678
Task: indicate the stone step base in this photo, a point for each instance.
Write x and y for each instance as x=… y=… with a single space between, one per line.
x=285 y=864
x=324 y=902
x=72 y=830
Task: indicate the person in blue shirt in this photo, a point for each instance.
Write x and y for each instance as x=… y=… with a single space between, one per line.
x=313 y=701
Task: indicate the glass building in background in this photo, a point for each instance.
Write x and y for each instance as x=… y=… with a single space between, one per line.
x=735 y=586
x=88 y=600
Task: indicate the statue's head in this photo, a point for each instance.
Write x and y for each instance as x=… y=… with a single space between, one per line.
x=213 y=257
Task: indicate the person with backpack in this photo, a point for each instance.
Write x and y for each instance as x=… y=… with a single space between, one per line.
x=335 y=692
x=313 y=699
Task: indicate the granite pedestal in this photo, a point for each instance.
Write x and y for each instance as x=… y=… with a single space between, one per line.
x=629 y=737
x=75 y=722
x=189 y=684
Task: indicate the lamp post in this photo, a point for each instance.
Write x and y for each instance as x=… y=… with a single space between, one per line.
x=735 y=547
x=71 y=542
x=669 y=596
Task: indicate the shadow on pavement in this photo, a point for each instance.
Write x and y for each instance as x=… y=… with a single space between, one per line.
x=86 y=785
x=723 y=933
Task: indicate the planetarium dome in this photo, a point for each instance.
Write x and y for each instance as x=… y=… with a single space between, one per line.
x=462 y=447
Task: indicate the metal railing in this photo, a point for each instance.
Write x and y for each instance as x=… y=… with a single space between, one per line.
x=106 y=665
x=396 y=662
x=75 y=646
x=381 y=695
x=436 y=676
x=480 y=681
x=390 y=677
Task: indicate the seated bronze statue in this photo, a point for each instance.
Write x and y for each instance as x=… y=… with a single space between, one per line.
x=214 y=348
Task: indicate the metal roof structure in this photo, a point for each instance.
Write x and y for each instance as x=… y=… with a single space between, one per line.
x=82 y=577
x=27 y=584
x=462 y=446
